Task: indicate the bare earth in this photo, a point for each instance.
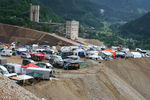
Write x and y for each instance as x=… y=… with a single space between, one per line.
x=103 y=81
x=90 y=41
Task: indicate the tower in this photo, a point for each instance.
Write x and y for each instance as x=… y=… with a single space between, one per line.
x=72 y=29
x=34 y=13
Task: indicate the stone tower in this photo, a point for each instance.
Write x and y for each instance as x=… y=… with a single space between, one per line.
x=34 y=13
x=72 y=29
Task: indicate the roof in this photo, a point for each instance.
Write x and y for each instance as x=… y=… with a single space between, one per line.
x=111 y=51
x=40 y=69
x=73 y=61
x=41 y=54
x=30 y=65
x=13 y=64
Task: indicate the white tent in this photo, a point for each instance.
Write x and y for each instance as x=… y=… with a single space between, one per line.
x=136 y=54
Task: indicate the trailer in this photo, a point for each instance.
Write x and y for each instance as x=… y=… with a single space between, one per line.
x=39 y=73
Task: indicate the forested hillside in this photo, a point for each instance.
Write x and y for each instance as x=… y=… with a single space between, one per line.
x=135 y=8
x=16 y=12
x=138 y=30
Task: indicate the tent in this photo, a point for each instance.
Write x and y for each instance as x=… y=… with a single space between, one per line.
x=136 y=54
x=37 y=56
x=30 y=65
x=111 y=51
x=24 y=68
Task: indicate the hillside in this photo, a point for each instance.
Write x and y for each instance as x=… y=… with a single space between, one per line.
x=11 y=91
x=29 y=36
x=87 y=12
x=111 y=80
x=16 y=12
x=127 y=6
x=138 y=30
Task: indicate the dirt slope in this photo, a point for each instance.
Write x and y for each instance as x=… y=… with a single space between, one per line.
x=90 y=41
x=99 y=82
x=10 y=33
x=11 y=91
x=136 y=72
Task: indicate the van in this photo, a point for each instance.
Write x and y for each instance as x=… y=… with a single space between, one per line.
x=6 y=53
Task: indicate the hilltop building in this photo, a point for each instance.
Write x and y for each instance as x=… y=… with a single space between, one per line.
x=34 y=13
x=72 y=29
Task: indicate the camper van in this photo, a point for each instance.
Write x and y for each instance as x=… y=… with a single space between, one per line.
x=13 y=68
x=6 y=53
x=5 y=72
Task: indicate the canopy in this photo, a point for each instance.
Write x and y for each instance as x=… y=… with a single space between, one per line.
x=30 y=65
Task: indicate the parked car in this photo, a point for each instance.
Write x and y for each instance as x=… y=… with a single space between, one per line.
x=44 y=65
x=27 y=61
x=64 y=55
x=120 y=54
x=25 y=55
x=73 y=57
x=71 y=65
x=74 y=64
x=56 y=61
x=95 y=57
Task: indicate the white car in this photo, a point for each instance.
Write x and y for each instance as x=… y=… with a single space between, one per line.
x=25 y=55
x=95 y=57
x=44 y=65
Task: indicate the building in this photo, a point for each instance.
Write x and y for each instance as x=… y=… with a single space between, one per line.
x=34 y=13
x=72 y=29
